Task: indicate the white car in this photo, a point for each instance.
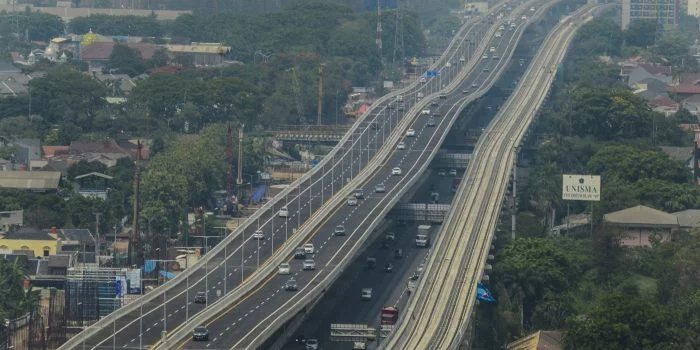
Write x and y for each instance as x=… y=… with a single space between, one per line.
x=401 y=145
x=309 y=264
x=485 y=56
x=259 y=234
x=352 y=201
x=492 y=49
x=283 y=212
x=411 y=132
x=309 y=248
x=284 y=269
x=523 y=18
x=498 y=34
x=396 y=171
x=453 y=172
x=425 y=112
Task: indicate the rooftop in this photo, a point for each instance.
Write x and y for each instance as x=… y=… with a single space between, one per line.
x=100 y=51
x=30 y=180
x=29 y=233
x=540 y=340
x=94 y=174
x=688 y=218
x=641 y=216
x=202 y=48
x=678 y=153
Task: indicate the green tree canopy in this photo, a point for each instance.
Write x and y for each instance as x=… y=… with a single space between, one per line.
x=118 y=25
x=631 y=164
x=641 y=32
x=126 y=60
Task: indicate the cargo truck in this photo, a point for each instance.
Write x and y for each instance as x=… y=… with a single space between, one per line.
x=423 y=236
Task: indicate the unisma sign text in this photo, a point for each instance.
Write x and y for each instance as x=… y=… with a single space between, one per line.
x=581 y=187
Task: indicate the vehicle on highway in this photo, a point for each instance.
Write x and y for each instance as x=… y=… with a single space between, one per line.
x=396 y=171
x=419 y=95
x=299 y=253
x=388 y=267
x=411 y=132
x=427 y=111
x=453 y=172
x=389 y=315
x=358 y=193
x=309 y=264
x=498 y=34
x=448 y=65
x=423 y=79
x=402 y=106
x=371 y=262
x=311 y=344
x=284 y=212
x=512 y=26
x=390 y=236
x=339 y=230
x=462 y=59
x=380 y=188
x=423 y=236
x=454 y=189
x=492 y=49
x=398 y=254
x=431 y=122
x=523 y=18
x=259 y=235
x=486 y=69
x=441 y=172
x=532 y=9
x=359 y=345
x=391 y=106
x=501 y=27
x=291 y=285
x=200 y=333
x=485 y=56
x=401 y=145
x=436 y=115
x=284 y=269
x=443 y=97
x=200 y=298
x=352 y=201
x=399 y=98
x=433 y=103
x=366 y=294
x=474 y=85
x=465 y=91
x=495 y=57
x=309 y=248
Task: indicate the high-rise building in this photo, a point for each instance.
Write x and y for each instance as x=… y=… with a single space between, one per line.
x=665 y=12
x=693 y=7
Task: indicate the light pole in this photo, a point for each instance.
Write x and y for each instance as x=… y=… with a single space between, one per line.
x=206 y=267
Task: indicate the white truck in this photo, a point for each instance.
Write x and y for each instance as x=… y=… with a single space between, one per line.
x=423 y=236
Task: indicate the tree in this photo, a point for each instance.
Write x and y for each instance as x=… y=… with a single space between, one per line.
x=641 y=32
x=631 y=164
x=126 y=60
x=160 y=58
x=14 y=301
x=67 y=96
x=621 y=321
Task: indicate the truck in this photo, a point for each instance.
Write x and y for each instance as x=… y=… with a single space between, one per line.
x=389 y=315
x=423 y=236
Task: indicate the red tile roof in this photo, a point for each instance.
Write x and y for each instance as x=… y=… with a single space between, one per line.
x=101 y=51
x=52 y=151
x=663 y=101
x=685 y=89
x=689 y=78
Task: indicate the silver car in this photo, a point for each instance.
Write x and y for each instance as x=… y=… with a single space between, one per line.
x=339 y=230
x=309 y=264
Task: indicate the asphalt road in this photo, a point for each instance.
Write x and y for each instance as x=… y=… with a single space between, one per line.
x=143 y=327
x=245 y=321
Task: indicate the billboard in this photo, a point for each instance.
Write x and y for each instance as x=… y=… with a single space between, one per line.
x=581 y=187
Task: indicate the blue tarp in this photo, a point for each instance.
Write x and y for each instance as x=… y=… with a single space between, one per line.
x=483 y=294
x=166 y=274
x=149 y=266
x=258 y=195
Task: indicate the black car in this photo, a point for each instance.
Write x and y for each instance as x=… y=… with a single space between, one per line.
x=299 y=253
x=431 y=122
x=359 y=193
x=291 y=285
x=388 y=267
x=200 y=333
x=371 y=262
x=200 y=298
x=398 y=254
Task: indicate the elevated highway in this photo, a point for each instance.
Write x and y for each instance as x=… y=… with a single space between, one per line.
x=239 y=258
x=438 y=314
x=245 y=320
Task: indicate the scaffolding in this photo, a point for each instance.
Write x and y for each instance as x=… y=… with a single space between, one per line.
x=94 y=292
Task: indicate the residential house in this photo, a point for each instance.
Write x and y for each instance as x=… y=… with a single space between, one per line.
x=97 y=54
x=116 y=84
x=37 y=181
x=540 y=340
x=688 y=219
x=47 y=272
x=75 y=240
x=645 y=71
x=664 y=105
x=639 y=225
x=681 y=154
x=692 y=104
x=92 y=185
x=202 y=54
x=15 y=83
x=106 y=152
x=11 y=220
x=688 y=86
x=40 y=242
x=52 y=151
x=650 y=88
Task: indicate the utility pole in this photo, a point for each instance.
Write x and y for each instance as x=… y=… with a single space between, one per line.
x=97 y=238
x=239 y=180
x=319 y=117
x=135 y=239
x=229 y=161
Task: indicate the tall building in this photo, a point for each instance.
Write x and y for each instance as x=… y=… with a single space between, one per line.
x=693 y=7
x=663 y=11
